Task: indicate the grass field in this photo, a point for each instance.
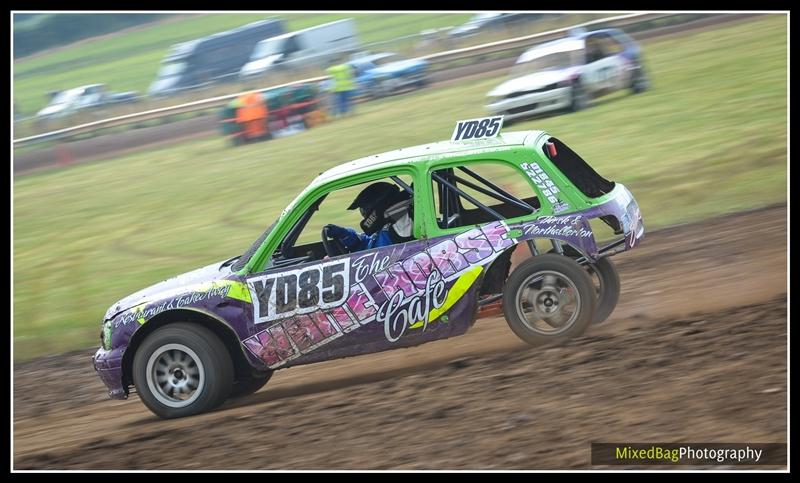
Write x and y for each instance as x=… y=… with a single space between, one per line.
x=130 y=61
x=709 y=138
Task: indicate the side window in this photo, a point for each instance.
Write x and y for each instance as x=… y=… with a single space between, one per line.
x=304 y=241
x=594 y=49
x=291 y=45
x=612 y=46
x=481 y=192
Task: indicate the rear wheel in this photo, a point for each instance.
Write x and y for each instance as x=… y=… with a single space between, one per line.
x=549 y=297
x=182 y=369
x=605 y=278
x=606 y=281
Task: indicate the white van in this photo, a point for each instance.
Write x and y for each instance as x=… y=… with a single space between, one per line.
x=303 y=48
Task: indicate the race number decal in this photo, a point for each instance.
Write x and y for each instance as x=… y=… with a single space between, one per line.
x=303 y=291
x=487 y=127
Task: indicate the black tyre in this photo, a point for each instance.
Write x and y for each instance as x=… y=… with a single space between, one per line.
x=606 y=282
x=607 y=287
x=548 y=297
x=182 y=369
x=249 y=384
x=640 y=82
x=580 y=99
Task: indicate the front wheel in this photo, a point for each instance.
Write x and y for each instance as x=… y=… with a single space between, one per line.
x=547 y=298
x=182 y=369
x=580 y=99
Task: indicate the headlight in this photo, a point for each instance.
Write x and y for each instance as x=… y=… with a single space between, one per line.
x=105 y=335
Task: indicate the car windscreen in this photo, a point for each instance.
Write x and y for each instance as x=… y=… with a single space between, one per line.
x=482 y=18
x=267 y=48
x=171 y=69
x=387 y=60
x=67 y=96
x=553 y=61
x=247 y=255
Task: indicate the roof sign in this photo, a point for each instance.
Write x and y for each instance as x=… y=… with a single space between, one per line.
x=487 y=127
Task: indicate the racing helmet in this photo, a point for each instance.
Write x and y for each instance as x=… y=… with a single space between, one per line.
x=372 y=202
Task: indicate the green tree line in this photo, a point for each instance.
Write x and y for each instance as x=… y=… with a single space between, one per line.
x=37 y=32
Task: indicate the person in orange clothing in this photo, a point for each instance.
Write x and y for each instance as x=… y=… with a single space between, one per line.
x=252 y=115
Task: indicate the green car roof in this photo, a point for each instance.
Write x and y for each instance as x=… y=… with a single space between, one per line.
x=425 y=153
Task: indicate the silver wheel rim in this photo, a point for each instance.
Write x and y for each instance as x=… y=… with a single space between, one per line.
x=548 y=303
x=175 y=375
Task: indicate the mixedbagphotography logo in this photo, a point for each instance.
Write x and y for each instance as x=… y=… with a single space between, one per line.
x=689 y=454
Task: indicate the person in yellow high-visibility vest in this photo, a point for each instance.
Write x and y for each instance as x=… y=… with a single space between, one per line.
x=343 y=80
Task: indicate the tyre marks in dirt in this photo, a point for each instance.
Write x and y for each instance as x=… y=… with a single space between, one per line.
x=710 y=377
x=696 y=350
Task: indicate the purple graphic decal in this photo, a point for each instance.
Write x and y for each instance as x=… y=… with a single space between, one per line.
x=447 y=259
x=361 y=303
x=344 y=320
x=397 y=313
x=474 y=245
x=271 y=346
x=254 y=345
x=324 y=324
x=303 y=331
x=393 y=279
x=496 y=234
x=418 y=268
x=371 y=263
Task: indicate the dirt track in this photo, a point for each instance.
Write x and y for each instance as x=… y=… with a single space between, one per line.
x=695 y=352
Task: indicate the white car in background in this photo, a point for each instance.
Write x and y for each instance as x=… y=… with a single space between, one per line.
x=68 y=101
x=567 y=73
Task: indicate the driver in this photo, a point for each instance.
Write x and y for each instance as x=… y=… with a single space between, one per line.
x=386 y=211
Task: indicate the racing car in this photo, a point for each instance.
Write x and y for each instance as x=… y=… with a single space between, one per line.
x=298 y=296
x=566 y=74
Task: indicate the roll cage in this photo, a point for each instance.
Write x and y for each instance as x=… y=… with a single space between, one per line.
x=450 y=199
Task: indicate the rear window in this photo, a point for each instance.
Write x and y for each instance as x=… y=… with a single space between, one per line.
x=577 y=170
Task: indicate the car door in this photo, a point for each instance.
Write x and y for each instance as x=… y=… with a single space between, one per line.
x=83 y=99
x=338 y=306
x=293 y=50
x=604 y=68
x=618 y=70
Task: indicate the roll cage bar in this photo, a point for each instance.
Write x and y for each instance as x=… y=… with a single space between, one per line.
x=450 y=204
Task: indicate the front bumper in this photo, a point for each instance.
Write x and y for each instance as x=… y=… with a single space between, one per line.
x=530 y=104
x=108 y=365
